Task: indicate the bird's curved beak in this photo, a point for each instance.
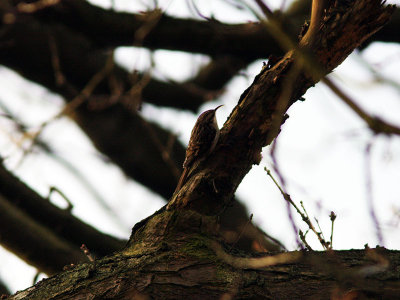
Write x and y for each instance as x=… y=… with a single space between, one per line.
x=218 y=107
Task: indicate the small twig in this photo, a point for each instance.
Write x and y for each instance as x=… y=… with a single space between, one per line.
x=36 y=277
x=135 y=92
x=53 y=189
x=264 y=8
x=377 y=74
x=273 y=25
x=332 y=216
x=22 y=128
x=35 y=6
x=285 y=195
x=369 y=192
x=276 y=241
x=319 y=233
x=195 y=10
x=87 y=252
x=88 y=89
x=303 y=239
x=320 y=230
x=77 y=101
x=374 y=123
x=241 y=233
x=55 y=61
x=304 y=215
x=215 y=187
x=152 y=19
x=304 y=209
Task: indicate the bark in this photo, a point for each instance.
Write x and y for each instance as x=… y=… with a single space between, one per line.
x=175 y=255
x=26 y=218
x=179 y=251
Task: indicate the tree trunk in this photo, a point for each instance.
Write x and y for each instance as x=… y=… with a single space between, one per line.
x=177 y=255
x=178 y=252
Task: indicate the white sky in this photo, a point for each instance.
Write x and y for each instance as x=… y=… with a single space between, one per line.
x=321 y=150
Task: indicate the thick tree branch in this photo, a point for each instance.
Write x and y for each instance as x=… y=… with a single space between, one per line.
x=180 y=251
x=42 y=234
x=175 y=256
x=30 y=47
x=111 y=29
x=120 y=134
x=19 y=233
x=256 y=120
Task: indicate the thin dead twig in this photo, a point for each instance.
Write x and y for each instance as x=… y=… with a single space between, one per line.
x=303 y=214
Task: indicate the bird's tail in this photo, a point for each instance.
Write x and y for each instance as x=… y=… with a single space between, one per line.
x=182 y=179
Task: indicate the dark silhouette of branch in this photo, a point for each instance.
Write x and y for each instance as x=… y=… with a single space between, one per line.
x=28 y=47
x=250 y=41
x=28 y=219
x=19 y=232
x=109 y=29
x=3 y=289
x=115 y=129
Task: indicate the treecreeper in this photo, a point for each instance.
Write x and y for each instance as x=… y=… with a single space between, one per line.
x=203 y=139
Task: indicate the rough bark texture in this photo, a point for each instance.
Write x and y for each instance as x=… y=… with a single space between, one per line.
x=176 y=255
x=179 y=252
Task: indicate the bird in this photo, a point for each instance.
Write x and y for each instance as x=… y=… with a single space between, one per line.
x=203 y=139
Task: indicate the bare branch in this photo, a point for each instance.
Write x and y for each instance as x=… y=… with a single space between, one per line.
x=49 y=222
x=377 y=125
